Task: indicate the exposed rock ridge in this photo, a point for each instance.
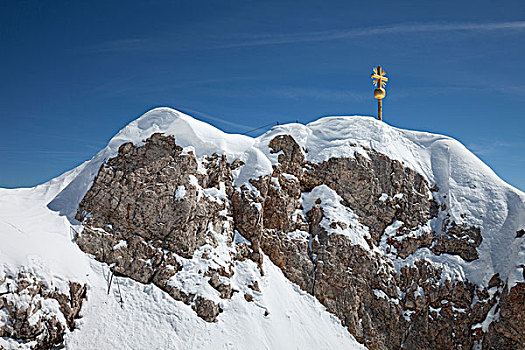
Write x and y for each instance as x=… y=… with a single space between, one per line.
x=153 y=207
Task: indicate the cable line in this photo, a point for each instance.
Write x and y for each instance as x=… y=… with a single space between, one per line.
x=261 y=127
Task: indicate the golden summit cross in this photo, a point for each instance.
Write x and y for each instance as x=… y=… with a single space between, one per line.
x=379 y=80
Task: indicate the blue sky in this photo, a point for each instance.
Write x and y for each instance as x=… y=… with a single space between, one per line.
x=74 y=73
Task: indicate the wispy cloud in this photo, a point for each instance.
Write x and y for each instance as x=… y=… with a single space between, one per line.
x=146 y=84
x=317 y=93
x=490 y=148
x=426 y=91
x=342 y=95
x=123 y=45
x=168 y=45
x=37 y=151
x=70 y=138
x=510 y=89
x=374 y=31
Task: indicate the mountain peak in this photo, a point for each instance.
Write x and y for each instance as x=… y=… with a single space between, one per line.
x=188 y=131
x=383 y=226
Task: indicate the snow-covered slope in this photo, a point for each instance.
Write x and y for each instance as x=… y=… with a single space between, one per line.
x=39 y=240
x=35 y=234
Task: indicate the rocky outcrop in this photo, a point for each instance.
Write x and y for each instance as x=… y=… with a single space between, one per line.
x=508 y=331
x=153 y=208
x=152 y=192
x=441 y=312
x=418 y=308
x=33 y=313
x=378 y=189
x=347 y=279
x=458 y=240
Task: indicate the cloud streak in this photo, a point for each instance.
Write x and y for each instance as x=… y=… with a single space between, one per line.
x=495 y=147
x=297 y=93
x=374 y=31
x=171 y=44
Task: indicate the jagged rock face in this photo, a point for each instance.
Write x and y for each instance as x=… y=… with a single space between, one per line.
x=361 y=182
x=508 y=332
x=154 y=206
x=33 y=313
x=344 y=280
x=148 y=191
x=459 y=239
x=416 y=309
x=149 y=207
x=442 y=312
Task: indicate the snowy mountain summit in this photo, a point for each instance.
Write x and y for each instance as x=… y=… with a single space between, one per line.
x=345 y=233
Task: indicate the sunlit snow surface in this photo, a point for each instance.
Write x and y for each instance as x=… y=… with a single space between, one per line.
x=35 y=233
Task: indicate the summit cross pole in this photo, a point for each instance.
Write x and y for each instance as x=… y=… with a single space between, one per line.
x=379 y=80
